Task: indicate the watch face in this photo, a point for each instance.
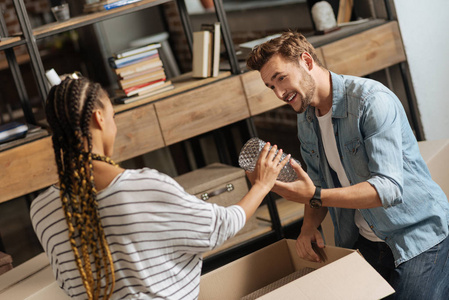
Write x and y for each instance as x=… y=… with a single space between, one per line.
x=315 y=203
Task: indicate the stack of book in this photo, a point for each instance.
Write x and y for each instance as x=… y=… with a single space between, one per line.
x=206 y=51
x=140 y=73
x=94 y=6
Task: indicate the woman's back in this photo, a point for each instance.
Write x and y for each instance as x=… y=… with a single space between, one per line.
x=156 y=233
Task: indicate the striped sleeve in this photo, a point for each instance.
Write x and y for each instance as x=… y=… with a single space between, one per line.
x=228 y=221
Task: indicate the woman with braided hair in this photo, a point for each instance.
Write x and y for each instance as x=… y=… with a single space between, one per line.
x=112 y=233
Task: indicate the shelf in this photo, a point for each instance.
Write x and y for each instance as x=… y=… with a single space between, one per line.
x=181 y=83
x=32 y=135
x=231 y=6
x=10 y=42
x=319 y=40
x=202 y=109
x=344 y=31
x=89 y=19
x=27 y=168
x=21 y=59
x=289 y=212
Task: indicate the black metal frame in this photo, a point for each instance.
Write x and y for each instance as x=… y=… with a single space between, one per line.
x=225 y=32
x=33 y=51
x=17 y=76
x=29 y=39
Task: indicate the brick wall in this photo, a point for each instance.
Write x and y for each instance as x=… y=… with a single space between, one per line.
x=178 y=39
x=36 y=10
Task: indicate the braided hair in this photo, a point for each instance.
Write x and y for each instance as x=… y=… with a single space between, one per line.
x=69 y=108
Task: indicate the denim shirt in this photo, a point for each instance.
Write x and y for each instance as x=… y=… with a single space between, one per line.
x=376 y=144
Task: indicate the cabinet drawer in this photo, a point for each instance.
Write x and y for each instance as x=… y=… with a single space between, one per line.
x=138 y=132
x=260 y=98
x=201 y=110
x=366 y=52
x=27 y=168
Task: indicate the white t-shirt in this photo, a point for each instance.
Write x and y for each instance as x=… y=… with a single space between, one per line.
x=333 y=158
x=155 y=230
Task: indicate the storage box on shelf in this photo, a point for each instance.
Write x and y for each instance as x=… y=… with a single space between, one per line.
x=224 y=185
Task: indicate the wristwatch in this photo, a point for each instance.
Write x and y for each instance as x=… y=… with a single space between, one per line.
x=315 y=202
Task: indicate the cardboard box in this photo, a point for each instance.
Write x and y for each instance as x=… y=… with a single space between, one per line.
x=344 y=275
x=223 y=185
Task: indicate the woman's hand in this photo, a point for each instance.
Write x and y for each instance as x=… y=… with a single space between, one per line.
x=268 y=167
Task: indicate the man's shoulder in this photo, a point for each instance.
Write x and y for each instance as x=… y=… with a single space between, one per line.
x=359 y=87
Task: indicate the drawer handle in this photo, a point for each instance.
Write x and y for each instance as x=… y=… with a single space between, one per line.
x=206 y=196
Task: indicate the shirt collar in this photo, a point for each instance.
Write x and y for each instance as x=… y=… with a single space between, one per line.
x=339 y=100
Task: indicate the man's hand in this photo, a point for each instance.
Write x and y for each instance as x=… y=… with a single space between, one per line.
x=307 y=237
x=301 y=190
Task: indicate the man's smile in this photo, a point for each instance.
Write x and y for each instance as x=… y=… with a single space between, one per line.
x=290 y=97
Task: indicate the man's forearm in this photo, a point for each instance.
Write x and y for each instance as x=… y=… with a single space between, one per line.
x=359 y=196
x=313 y=216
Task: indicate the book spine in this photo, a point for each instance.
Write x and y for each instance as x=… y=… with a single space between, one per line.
x=148 y=60
x=130 y=59
x=216 y=43
x=137 y=51
x=216 y=50
x=201 y=54
x=130 y=90
x=129 y=83
x=119 y=4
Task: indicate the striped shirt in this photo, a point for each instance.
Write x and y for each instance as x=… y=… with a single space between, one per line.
x=155 y=230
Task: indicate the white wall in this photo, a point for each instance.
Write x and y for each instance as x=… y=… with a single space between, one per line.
x=424 y=27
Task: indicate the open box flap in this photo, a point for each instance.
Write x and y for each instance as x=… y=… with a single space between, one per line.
x=350 y=277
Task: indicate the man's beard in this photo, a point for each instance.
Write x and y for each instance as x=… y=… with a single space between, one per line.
x=309 y=87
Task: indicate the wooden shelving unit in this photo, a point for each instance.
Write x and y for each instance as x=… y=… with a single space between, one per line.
x=9 y=41
x=92 y=18
x=194 y=106
x=137 y=121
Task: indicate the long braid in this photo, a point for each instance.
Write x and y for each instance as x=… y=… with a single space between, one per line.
x=69 y=109
x=70 y=178
x=91 y=208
